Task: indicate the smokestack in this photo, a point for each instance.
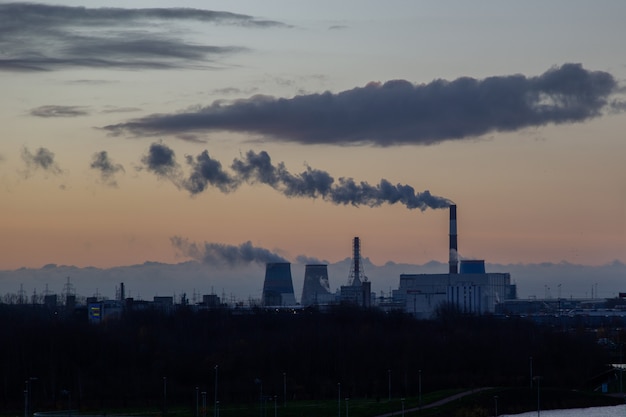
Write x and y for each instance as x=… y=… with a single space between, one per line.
x=453 y=241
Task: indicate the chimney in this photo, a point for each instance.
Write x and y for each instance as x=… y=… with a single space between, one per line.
x=453 y=241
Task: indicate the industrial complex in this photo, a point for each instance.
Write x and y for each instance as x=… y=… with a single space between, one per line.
x=466 y=288
x=469 y=288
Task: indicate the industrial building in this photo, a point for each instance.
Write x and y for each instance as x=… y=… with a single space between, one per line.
x=359 y=289
x=471 y=290
x=316 y=288
x=278 y=285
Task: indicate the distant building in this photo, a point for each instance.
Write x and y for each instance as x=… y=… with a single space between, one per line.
x=472 y=291
x=278 y=285
x=316 y=289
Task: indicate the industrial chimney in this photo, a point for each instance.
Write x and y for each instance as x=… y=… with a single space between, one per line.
x=453 y=242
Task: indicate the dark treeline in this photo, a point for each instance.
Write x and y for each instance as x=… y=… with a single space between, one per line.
x=148 y=358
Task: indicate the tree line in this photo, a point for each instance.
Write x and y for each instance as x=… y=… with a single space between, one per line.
x=155 y=360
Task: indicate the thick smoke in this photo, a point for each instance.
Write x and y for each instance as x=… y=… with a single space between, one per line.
x=107 y=168
x=41 y=159
x=398 y=112
x=258 y=168
x=314 y=183
x=218 y=254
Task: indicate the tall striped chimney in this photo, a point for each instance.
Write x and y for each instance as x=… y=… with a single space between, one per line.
x=453 y=242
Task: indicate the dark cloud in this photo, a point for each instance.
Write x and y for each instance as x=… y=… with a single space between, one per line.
x=37 y=37
x=102 y=163
x=254 y=168
x=217 y=254
x=398 y=112
x=41 y=159
x=59 y=111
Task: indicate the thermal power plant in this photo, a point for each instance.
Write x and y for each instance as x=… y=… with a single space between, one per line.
x=470 y=290
x=278 y=285
x=359 y=289
x=316 y=288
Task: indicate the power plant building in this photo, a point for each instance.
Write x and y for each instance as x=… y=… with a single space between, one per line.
x=472 y=291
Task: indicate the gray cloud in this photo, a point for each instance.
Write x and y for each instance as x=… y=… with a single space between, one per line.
x=37 y=37
x=218 y=254
x=58 y=111
x=256 y=168
x=103 y=164
x=398 y=112
x=41 y=159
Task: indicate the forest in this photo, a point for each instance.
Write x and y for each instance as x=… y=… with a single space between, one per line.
x=155 y=360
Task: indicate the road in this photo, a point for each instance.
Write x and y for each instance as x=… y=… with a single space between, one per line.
x=436 y=403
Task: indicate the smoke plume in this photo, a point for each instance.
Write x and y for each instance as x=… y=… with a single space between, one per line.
x=312 y=183
x=41 y=159
x=218 y=254
x=102 y=163
x=399 y=112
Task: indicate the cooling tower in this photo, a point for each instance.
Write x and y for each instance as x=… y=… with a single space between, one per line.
x=453 y=242
x=316 y=289
x=278 y=286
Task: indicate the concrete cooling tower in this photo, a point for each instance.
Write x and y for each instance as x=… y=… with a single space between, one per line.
x=316 y=289
x=278 y=286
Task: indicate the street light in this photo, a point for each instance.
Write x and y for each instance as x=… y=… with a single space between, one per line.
x=402 y=399
x=389 y=374
x=495 y=399
x=420 y=388
x=284 y=389
x=538 y=379
x=215 y=407
x=347 y=407
x=203 y=403
x=196 y=401
x=164 y=396
x=338 y=399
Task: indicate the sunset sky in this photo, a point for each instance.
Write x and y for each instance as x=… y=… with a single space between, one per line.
x=160 y=134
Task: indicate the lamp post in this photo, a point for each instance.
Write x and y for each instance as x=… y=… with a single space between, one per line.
x=347 y=407
x=215 y=399
x=389 y=378
x=538 y=379
x=197 y=402
x=284 y=389
x=495 y=400
x=531 y=372
x=203 y=403
x=28 y=396
x=338 y=399
x=402 y=399
x=420 y=388
x=164 y=396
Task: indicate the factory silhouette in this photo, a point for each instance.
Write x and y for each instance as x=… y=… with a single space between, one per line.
x=468 y=287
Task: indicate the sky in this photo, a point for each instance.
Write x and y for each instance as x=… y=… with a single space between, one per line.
x=238 y=132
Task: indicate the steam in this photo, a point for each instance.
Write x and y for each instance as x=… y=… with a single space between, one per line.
x=312 y=183
x=103 y=164
x=218 y=254
x=42 y=158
